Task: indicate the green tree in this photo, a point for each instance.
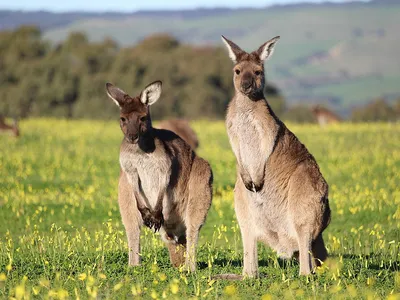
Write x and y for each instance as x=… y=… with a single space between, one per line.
x=299 y=114
x=68 y=79
x=377 y=110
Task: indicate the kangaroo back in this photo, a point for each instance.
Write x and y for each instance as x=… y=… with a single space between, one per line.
x=182 y=128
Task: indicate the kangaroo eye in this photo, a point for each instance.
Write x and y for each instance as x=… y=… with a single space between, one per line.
x=257 y=72
x=237 y=71
x=122 y=119
x=143 y=119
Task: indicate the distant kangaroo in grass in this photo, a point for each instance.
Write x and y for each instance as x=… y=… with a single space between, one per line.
x=163 y=184
x=324 y=116
x=4 y=127
x=280 y=195
x=182 y=128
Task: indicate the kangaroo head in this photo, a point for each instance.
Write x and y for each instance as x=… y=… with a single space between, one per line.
x=135 y=118
x=316 y=109
x=248 y=77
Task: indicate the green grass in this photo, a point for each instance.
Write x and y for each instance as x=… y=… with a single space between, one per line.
x=61 y=234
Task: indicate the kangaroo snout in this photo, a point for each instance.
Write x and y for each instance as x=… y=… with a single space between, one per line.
x=133 y=139
x=247 y=82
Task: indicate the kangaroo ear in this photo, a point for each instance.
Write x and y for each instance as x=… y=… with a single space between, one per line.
x=116 y=94
x=235 y=52
x=266 y=50
x=151 y=93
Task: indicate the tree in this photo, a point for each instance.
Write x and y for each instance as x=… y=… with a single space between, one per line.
x=377 y=110
x=299 y=114
x=68 y=80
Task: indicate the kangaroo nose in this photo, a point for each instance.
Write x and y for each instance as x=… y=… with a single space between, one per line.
x=132 y=138
x=246 y=84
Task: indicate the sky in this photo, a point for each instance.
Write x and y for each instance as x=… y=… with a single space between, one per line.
x=134 y=5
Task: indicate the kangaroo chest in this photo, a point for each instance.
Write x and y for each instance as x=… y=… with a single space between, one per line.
x=149 y=172
x=252 y=136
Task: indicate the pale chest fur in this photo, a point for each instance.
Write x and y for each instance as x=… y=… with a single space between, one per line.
x=151 y=171
x=251 y=134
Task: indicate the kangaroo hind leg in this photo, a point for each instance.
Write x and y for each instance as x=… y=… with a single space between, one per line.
x=199 y=202
x=131 y=218
x=305 y=256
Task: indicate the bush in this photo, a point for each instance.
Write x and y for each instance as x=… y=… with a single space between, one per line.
x=377 y=110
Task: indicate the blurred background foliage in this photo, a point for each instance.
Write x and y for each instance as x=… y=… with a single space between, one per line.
x=67 y=79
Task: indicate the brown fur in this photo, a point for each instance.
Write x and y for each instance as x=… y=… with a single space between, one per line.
x=281 y=197
x=182 y=129
x=13 y=129
x=324 y=116
x=163 y=183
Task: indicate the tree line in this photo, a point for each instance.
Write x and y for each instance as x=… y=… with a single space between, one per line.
x=68 y=79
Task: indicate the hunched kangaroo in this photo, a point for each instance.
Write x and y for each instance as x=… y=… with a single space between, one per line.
x=324 y=116
x=182 y=128
x=280 y=195
x=163 y=184
x=4 y=127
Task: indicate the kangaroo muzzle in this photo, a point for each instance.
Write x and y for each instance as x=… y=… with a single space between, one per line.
x=133 y=139
x=247 y=83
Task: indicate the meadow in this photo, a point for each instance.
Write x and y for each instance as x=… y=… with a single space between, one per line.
x=61 y=234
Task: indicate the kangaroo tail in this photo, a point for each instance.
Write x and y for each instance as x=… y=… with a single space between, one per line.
x=228 y=277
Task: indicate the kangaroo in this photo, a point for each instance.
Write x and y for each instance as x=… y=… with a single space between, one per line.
x=4 y=127
x=280 y=195
x=324 y=116
x=182 y=129
x=163 y=184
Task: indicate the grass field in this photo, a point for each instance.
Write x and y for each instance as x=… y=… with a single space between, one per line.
x=61 y=234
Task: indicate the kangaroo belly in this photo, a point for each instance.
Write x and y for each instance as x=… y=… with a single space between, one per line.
x=152 y=181
x=273 y=223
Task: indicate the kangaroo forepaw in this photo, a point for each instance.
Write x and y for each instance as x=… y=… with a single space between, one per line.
x=152 y=220
x=147 y=221
x=147 y=217
x=258 y=186
x=252 y=187
x=158 y=221
x=249 y=185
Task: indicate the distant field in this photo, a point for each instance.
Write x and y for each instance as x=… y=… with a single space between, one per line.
x=319 y=44
x=354 y=91
x=61 y=234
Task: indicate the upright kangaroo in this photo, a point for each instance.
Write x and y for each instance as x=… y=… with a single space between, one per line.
x=280 y=195
x=182 y=128
x=4 y=127
x=163 y=184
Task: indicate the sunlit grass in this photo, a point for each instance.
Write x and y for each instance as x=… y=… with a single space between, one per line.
x=61 y=235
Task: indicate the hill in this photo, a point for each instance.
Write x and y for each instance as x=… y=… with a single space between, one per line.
x=341 y=55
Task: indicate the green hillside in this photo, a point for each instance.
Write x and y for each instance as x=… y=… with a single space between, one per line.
x=342 y=55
